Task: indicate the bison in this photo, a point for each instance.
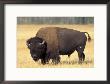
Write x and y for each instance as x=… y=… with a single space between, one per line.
x=60 y=41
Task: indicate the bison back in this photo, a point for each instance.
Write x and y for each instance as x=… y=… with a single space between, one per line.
x=69 y=39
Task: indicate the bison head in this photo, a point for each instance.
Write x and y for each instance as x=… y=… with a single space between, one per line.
x=37 y=47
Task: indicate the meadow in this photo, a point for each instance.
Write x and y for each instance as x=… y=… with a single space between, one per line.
x=24 y=59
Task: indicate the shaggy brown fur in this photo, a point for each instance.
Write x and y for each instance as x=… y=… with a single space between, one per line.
x=49 y=34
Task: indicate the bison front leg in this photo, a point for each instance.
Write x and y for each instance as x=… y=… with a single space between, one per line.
x=47 y=58
x=43 y=61
x=56 y=58
x=83 y=56
x=80 y=57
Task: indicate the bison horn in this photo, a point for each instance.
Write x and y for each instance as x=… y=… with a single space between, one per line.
x=43 y=42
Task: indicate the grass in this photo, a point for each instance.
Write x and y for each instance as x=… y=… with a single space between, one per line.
x=24 y=59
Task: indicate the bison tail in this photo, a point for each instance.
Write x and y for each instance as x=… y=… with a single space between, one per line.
x=89 y=38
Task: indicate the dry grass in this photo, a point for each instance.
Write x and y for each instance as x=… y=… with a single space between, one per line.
x=24 y=59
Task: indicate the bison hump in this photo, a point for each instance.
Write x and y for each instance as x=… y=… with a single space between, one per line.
x=49 y=34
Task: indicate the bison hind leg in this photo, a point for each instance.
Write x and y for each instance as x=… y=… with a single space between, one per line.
x=81 y=55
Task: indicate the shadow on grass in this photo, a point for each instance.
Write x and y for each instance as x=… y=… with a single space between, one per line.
x=72 y=62
x=76 y=62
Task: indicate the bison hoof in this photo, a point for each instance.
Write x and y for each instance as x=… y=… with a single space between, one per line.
x=55 y=62
x=43 y=62
x=80 y=62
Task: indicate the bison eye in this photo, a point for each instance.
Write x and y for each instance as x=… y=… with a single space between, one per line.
x=30 y=44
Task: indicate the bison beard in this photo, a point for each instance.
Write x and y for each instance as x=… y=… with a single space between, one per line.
x=59 y=41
